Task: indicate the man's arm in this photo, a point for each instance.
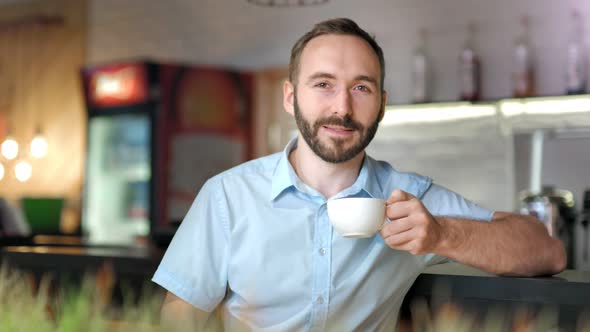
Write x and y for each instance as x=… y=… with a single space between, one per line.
x=510 y=244
x=178 y=315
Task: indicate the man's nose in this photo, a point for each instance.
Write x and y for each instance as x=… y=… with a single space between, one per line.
x=343 y=103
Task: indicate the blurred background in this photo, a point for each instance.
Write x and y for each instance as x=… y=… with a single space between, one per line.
x=114 y=113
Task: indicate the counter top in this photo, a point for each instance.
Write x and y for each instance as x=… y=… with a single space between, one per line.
x=566 y=294
x=139 y=261
x=105 y=252
x=570 y=288
x=456 y=269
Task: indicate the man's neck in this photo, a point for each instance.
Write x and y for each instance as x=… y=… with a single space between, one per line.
x=327 y=178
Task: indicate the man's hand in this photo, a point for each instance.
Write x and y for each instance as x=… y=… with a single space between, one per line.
x=412 y=227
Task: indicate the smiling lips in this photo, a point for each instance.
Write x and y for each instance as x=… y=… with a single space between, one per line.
x=338 y=130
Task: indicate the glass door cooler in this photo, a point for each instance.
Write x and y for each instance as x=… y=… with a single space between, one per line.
x=156 y=132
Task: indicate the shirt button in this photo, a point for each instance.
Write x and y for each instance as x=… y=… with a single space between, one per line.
x=319 y=300
x=322 y=251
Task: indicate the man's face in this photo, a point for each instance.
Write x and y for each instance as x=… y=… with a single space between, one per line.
x=338 y=102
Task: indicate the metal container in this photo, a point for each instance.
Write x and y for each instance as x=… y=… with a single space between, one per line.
x=555 y=208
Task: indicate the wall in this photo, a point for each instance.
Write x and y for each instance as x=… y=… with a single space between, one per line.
x=471 y=156
x=566 y=163
x=40 y=86
x=238 y=34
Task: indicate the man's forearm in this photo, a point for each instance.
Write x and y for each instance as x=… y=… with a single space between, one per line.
x=508 y=245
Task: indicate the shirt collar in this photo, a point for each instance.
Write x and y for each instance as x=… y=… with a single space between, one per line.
x=284 y=177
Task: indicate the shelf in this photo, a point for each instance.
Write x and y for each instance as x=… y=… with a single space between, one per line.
x=519 y=114
x=547 y=113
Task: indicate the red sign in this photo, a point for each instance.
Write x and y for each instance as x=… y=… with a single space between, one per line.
x=118 y=85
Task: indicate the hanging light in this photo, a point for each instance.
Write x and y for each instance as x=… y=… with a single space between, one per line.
x=38 y=145
x=1 y=171
x=287 y=3
x=23 y=171
x=9 y=148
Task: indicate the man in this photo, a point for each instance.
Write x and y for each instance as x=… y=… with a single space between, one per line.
x=257 y=243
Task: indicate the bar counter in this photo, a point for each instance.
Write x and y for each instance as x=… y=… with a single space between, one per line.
x=476 y=291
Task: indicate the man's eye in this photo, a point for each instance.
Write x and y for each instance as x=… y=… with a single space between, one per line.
x=362 y=88
x=322 y=85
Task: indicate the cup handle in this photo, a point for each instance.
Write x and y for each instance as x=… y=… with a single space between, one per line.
x=385 y=219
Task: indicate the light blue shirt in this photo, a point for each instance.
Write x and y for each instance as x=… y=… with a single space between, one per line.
x=257 y=244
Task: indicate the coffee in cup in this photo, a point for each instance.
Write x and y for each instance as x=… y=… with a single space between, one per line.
x=357 y=217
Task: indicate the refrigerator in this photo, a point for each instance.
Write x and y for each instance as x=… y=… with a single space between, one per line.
x=155 y=133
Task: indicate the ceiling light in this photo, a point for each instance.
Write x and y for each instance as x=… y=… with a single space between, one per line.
x=9 y=148
x=23 y=171
x=39 y=146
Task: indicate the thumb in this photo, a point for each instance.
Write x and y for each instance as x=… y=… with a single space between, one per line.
x=399 y=195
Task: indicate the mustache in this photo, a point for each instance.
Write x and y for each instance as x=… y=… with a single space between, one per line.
x=346 y=122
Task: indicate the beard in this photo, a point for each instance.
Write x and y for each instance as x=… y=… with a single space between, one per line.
x=337 y=151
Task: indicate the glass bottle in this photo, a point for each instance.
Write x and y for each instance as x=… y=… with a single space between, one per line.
x=523 y=78
x=470 y=69
x=420 y=71
x=576 y=75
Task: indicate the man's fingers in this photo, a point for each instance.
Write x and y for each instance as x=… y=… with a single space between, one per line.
x=398 y=240
x=402 y=209
x=409 y=246
x=397 y=226
x=399 y=210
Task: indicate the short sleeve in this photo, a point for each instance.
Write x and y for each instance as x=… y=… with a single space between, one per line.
x=441 y=201
x=194 y=267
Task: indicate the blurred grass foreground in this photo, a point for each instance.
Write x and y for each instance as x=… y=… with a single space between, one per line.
x=30 y=306
x=46 y=305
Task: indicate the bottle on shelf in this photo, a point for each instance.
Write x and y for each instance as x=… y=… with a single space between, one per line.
x=469 y=69
x=576 y=75
x=421 y=71
x=523 y=78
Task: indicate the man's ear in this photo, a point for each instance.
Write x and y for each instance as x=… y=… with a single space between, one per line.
x=289 y=97
x=383 y=104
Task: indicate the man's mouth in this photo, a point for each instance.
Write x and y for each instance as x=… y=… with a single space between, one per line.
x=338 y=130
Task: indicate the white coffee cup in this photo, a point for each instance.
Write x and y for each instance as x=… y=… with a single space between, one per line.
x=357 y=217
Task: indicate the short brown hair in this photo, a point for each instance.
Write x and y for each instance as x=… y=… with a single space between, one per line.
x=338 y=26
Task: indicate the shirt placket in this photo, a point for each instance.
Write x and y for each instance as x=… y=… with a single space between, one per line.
x=322 y=256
